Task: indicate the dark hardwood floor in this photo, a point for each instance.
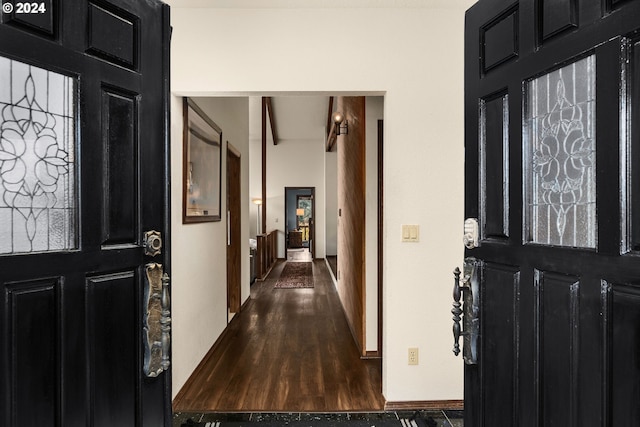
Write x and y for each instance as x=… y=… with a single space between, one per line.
x=289 y=350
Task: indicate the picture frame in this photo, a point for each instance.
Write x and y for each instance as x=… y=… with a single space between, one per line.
x=201 y=167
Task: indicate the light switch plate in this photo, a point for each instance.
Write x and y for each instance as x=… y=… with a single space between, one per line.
x=410 y=233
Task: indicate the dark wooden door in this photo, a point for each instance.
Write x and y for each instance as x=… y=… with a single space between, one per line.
x=552 y=101
x=234 y=229
x=83 y=175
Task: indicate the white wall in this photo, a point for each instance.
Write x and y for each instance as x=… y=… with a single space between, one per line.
x=414 y=56
x=255 y=161
x=199 y=251
x=291 y=163
x=294 y=163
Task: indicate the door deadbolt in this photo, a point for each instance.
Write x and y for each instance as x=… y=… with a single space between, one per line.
x=471 y=233
x=152 y=243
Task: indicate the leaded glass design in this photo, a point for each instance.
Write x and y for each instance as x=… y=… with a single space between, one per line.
x=559 y=138
x=37 y=160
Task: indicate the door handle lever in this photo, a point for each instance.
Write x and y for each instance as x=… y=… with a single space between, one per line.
x=457 y=311
x=157 y=320
x=466 y=321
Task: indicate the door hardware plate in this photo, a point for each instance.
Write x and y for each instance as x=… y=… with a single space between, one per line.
x=157 y=320
x=471 y=237
x=467 y=287
x=152 y=243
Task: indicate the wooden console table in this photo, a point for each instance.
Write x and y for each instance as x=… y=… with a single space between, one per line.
x=295 y=239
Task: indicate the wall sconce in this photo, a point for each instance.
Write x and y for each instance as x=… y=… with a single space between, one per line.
x=338 y=118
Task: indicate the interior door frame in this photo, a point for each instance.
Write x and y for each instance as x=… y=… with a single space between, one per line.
x=166 y=97
x=312 y=226
x=234 y=230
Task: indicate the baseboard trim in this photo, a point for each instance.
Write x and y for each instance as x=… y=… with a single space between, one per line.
x=333 y=277
x=363 y=354
x=371 y=355
x=429 y=405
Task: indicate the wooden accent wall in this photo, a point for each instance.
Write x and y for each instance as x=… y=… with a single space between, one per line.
x=351 y=222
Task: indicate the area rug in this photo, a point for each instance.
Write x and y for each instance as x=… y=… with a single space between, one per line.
x=296 y=275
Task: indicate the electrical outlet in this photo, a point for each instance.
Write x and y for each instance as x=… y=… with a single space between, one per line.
x=413 y=356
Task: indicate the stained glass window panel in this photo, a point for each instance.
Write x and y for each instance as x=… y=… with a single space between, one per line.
x=38 y=208
x=559 y=137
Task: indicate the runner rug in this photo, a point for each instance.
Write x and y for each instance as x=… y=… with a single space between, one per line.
x=296 y=275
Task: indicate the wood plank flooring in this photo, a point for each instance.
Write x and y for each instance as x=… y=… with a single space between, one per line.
x=289 y=350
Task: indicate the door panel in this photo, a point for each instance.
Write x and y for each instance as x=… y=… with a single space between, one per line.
x=34 y=317
x=494 y=166
x=499 y=39
x=631 y=185
x=43 y=23
x=83 y=164
x=122 y=170
x=112 y=396
x=501 y=331
x=112 y=35
x=622 y=316
x=556 y=16
x=551 y=172
x=558 y=328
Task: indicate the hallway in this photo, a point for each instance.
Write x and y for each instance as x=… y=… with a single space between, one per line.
x=288 y=350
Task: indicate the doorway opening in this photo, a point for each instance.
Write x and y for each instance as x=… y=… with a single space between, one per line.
x=299 y=213
x=315 y=221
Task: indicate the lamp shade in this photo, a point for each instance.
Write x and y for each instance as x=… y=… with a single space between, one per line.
x=300 y=212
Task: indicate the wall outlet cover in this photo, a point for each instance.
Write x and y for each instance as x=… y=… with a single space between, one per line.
x=413 y=356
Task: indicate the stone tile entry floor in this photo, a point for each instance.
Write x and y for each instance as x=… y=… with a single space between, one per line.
x=446 y=418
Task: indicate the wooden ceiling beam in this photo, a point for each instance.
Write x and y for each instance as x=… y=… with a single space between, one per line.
x=332 y=138
x=331 y=127
x=329 y=121
x=272 y=120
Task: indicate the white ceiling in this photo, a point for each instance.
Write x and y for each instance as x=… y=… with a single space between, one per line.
x=300 y=117
x=297 y=117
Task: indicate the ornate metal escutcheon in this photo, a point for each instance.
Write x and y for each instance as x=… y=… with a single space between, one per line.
x=157 y=320
x=467 y=287
x=152 y=243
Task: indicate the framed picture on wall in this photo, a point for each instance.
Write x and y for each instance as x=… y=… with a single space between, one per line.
x=202 y=166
